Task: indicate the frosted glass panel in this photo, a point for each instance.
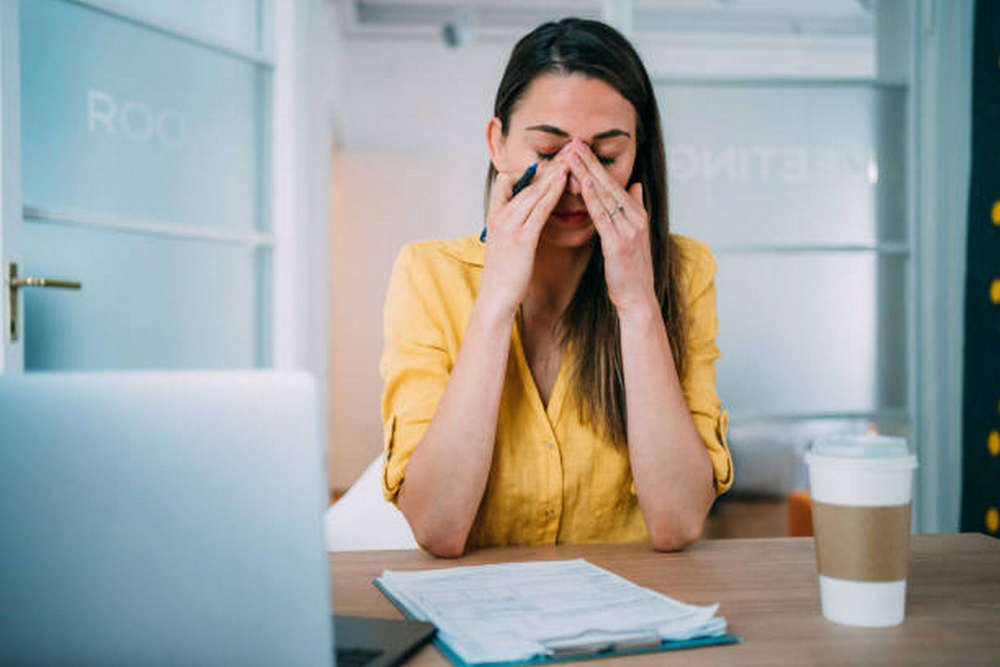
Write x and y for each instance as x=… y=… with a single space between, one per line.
x=769 y=455
x=767 y=164
x=232 y=21
x=146 y=302
x=123 y=120
x=812 y=332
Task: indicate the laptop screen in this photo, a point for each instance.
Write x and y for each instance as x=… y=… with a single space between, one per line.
x=162 y=518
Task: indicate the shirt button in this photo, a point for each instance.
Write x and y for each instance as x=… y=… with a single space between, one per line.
x=549 y=445
x=549 y=513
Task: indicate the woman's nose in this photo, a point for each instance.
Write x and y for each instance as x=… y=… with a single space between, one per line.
x=573 y=185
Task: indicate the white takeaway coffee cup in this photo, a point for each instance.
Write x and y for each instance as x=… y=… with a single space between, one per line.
x=861 y=489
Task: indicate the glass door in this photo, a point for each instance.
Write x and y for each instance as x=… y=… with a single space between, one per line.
x=144 y=176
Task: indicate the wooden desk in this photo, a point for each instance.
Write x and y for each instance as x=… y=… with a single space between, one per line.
x=769 y=594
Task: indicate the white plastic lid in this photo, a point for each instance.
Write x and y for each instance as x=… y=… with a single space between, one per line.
x=861 y=450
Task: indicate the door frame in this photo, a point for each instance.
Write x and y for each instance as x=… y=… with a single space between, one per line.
x=11 y=208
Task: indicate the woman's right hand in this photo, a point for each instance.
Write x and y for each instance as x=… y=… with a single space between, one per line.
x=513 y=226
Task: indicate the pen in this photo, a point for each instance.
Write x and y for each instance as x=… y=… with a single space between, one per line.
x=526 y=177
x=522 y=183
x=635 y=643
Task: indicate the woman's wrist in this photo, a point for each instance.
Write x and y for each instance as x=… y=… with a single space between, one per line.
x=640 y=312
x=491 y=312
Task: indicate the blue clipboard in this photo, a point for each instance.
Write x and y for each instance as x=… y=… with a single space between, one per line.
x=666 y=645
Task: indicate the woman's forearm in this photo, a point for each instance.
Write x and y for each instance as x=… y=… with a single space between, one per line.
x=447 y=473
x=670 y=465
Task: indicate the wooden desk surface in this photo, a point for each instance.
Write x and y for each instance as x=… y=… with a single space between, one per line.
x=769 y=594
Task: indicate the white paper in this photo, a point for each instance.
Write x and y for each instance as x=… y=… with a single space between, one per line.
x=517 y=611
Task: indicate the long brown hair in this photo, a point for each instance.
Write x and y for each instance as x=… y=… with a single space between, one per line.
x=589 y=327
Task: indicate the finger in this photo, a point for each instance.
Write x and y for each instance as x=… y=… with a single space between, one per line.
x=601 y=176
x=500 y=192
x=538 y=170
x=600 y=200
x=616 y=212
x=635 y=192
x=543 y=209
x=522 y=205
x=576 y=167
x=598 y=214
x=611 y=189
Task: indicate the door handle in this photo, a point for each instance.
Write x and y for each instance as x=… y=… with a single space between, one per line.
x=15 y=282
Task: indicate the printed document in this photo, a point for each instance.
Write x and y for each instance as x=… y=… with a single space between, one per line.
x=518 y=611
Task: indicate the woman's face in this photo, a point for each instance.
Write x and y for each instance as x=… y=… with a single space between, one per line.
x=554 y=110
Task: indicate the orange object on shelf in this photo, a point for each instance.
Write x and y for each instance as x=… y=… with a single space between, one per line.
x=800 y=520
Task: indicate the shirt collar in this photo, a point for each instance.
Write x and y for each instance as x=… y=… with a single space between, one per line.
x=468 y=249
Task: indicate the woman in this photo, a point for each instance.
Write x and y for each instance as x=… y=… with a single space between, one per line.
x=555 y=382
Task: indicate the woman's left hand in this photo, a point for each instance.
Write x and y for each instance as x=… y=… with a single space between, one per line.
x=623 y=224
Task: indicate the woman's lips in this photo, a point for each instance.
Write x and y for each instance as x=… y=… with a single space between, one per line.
x=571 y=217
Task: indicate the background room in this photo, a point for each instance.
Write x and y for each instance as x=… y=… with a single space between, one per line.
x=231 y=181
x=799 y=138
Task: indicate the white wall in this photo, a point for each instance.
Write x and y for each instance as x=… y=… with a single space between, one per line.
x=302 y=142
x=381 y=201
x=410 y=163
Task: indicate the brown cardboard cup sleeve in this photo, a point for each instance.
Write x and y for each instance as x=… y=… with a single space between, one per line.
x=862 y=543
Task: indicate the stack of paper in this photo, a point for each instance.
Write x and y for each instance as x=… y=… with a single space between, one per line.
x=519 y=611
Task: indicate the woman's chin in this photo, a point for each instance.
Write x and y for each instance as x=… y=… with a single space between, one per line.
x=563 y=236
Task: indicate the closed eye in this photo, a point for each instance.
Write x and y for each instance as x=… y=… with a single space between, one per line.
x=606 y=161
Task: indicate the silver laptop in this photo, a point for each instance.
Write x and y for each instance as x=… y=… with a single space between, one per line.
x=162 y=519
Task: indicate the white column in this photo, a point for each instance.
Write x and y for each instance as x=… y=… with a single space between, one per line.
x=941 y=91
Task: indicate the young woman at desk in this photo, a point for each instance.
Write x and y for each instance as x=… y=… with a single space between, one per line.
x=555 y=382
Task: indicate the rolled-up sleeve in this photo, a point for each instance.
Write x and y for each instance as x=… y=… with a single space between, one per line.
x=415 y=367
x=698 y=383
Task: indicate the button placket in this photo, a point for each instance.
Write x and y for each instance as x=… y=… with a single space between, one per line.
x=550 y=494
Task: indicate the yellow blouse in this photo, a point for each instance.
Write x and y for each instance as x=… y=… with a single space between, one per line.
x=554 y=478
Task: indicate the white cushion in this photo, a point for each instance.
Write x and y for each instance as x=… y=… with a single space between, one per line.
x=363 y=520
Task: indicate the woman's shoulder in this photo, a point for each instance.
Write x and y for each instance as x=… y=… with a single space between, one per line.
x=443 y=254
x=698 y=263
x=438 y=270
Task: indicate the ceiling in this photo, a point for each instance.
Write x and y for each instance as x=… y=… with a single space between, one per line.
x=502 y=18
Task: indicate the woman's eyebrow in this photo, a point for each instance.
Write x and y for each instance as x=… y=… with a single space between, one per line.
x=552 y=129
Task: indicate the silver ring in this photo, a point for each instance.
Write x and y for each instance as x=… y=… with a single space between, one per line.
x=617 y=209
